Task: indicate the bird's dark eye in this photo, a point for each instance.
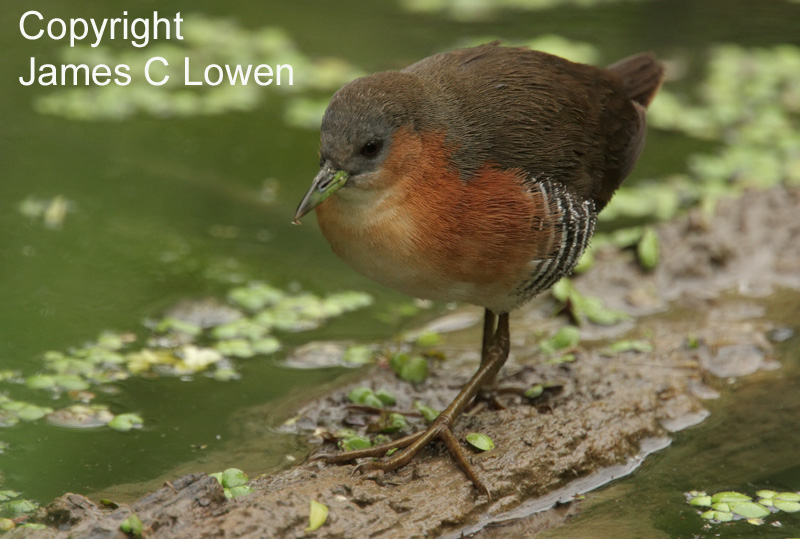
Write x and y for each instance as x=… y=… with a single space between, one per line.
x=371 y=148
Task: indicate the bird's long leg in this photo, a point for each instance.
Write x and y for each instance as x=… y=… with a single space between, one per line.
x=442 y=427
x=489 y=328
x=487 y=396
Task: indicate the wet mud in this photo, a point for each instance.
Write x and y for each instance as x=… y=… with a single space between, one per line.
x=702 y=311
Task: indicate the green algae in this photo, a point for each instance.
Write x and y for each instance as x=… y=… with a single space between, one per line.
x=175 y=346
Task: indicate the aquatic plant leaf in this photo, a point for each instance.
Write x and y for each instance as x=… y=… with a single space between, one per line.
x=359 y=394
x=238 y=491
x=386 y=397
x=21 y=506
x=392 y=422
x=729 y=497
x=358 y=355
x=480 y=441
x=355 y=442
x=635 y=345
x=703 y=501
x=132 y=525
x=234 y=477
x=749 y=509
x=428 y=413
x=648 y=249
x=317 y=516
x=534 y=391
x=126 y=422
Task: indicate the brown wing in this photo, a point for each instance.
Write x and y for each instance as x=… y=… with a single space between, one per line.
x=577 y=124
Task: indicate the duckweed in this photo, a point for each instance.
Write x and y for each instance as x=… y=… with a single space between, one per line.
x=534 y=391
x=126 y=422
x=412 y=369
x=132 y=525
x=389 y=423
x=585 y=308
x=635 y=345
x=480 y=441
x=353 y=443
x=234 y=482
x=177 y=346
x=50 y=212
x=364 y=396
x=648 y=249
x=731 y=505
x=565 y=337
x=317 y=516
x=428 y=413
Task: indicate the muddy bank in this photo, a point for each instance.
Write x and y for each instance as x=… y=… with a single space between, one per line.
x=610 y=405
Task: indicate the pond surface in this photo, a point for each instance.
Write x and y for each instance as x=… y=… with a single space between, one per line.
x=175 y=206
x=748 y=443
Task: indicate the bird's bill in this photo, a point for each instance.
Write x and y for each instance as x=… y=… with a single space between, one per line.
x=327 y=182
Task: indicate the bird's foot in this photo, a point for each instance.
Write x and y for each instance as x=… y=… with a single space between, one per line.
x=409 y=447
x=495 y=353
x=535 y=395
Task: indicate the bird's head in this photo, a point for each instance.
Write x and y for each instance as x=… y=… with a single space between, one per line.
x=358 y=131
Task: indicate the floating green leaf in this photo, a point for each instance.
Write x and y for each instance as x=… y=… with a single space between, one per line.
x=534 y=391
x=236 y=348
x=428 y=338
x=234 y=477
x=126 y=422
x=238 y=491
x=354 y=443
x=648 y=249
x=175 y=324
x=583 y=308
x=412 y=369
x=720 y=516
x=565 y=337
x=359 y=394
x=749 y=509
x=6 y=495
x=428 y=413
x=391 y=422
x=619 y=347
x=358 y=355
x=480 y=441
x=255 y=296
x=729 y=497
x=786 y=505
x=364 y=396
x=21 y=506
x=132 y=525
x=703 y=501
x=385 y=397
x=317 y=516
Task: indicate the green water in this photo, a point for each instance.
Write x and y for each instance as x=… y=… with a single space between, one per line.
x=748 y=443
x=149 y=196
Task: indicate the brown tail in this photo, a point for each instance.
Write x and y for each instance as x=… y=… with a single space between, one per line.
x=640 y=75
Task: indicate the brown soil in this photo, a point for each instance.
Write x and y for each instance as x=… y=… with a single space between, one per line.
x=611 y=411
